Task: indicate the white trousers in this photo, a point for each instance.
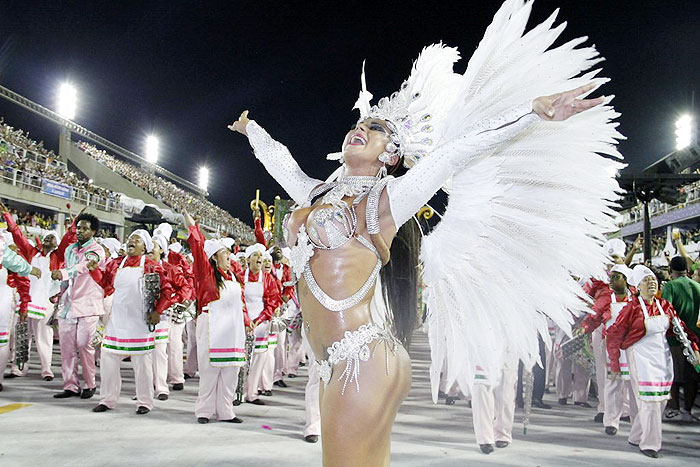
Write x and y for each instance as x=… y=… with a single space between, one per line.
x=579 y=385
x=312 y=403
x=619 y=400
x=217 y=386
x=600 y=354
x=160 y=369
x=295 y=354
x=493 y=409
x=111 y=379
x=4 y=358
x=175 y=353
x=42 y=336
x=257 y=376
x=646 y=425
x=190 y=367
x=268 y=371
x=280 y=355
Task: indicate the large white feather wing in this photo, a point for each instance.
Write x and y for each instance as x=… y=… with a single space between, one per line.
x=521 y=220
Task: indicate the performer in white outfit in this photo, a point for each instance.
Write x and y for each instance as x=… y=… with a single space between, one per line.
x=221 y=326
x=129 y=332
x=262 y=299
x=176 y=374
x=493 y=404
x=641 y=329
x=489 y=139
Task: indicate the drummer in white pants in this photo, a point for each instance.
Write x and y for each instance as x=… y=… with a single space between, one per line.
x=11 y=262
x=127 y=333
x=493 y=404
x=176 y=375
x=221 y=327
x=46 y=258
x=262 y=298
x=181 y=293
x=312 y=427
x=641 y=329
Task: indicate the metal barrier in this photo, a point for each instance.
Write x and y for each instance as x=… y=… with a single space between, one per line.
x=33 y=182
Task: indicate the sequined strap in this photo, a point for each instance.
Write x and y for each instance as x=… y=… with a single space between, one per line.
x=346 y=303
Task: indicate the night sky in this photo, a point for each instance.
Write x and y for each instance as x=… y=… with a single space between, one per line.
x=184 y=70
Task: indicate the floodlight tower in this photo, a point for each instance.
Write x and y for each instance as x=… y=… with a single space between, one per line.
x=66 y=104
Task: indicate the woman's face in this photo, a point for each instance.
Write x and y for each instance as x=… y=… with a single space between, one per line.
x=267 y=264
x=366 y=141
x=255 y=262
x=221 y=259
x=648 y=287
x=135 y=246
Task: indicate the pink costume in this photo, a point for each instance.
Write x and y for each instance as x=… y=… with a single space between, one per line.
x=82 y=304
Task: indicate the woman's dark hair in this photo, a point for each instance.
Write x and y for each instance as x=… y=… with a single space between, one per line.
x=400 y=274
x=94 y=221
x=217 y=274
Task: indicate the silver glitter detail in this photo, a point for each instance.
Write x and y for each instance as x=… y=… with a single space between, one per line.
x=354 y=348
x=346 y=303
x=372 y=211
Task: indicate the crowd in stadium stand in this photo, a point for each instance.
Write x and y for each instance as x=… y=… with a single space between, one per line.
x=33 y=163
x=167 y=192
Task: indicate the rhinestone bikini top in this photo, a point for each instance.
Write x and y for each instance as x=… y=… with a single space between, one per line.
x=331 y=227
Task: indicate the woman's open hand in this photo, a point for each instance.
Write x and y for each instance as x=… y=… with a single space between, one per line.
x=240 y=124
x=563 y=105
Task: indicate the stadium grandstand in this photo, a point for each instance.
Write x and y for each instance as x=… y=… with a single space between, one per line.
x=664 y=217
x=41 y=187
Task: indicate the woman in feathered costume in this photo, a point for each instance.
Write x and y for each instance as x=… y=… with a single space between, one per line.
x=521 y=160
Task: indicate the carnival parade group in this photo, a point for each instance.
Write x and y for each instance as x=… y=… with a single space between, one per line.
x=141 y=301
x=244 y=329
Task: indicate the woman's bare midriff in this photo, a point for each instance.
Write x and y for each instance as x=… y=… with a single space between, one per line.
x=340 y=273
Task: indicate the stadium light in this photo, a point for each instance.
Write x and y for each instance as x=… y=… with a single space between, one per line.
x=203 y=178
x=152 y=149
x=67 y=98
x=684 y=132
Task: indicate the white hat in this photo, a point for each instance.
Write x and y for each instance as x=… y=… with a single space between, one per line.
x=622 y=269
x=49 y=232
x=267 y=255
x=175 y=247
x=164 y=229
x=211 y=247
x=638 y=273
x=615 y=247
x=286 y=252
x=162 y=242
x=146 y=237
x=113 y=245
x=257 y=248
x=240 y=255
x=227 y=242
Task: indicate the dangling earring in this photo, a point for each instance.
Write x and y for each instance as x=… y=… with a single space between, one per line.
x=382 y=172
x=336 y=156
x=384 y=157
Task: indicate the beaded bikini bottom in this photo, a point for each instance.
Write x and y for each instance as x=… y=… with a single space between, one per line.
x=352 y=349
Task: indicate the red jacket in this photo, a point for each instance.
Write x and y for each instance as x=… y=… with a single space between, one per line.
x=272 y=297
x=206 y=290
x=21 y=284
x=106 y=279
x=287 y=290
x=28 y=251
x=629 y=328
x=181 y=287
x=259 y=234
x=178 y=259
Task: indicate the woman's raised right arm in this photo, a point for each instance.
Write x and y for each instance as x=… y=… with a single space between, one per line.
x=277 y=159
